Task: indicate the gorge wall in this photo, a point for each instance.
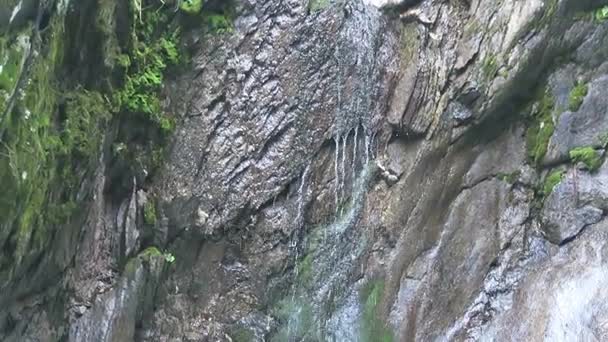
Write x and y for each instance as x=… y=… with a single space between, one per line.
x=303 y=170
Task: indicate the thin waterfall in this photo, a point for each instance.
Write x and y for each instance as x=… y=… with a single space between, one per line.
x=354 y=163
x=343 y=167
x=337 y=175
x=367 y=143
x=335 y=247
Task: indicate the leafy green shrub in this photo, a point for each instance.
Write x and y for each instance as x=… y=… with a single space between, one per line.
x=169 y=257
x=151 y=52
x=588 y=156
x=577 y=95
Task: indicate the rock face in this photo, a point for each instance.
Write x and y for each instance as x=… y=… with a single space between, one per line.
x=346 y=171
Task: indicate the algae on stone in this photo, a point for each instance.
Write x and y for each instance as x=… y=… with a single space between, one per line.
x=588 y=156
x=372 y=327
x=577 y=95
x=540 y=129
x=551 y=181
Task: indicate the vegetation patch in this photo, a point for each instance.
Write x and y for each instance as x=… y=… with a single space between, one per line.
x=489 y=67
x=317 y=5
x=601 y=14
x=373 y=328
x=150 y=212
x=151 y=52
x=242 y=334
x=577 y=95
x=551 y=181
x=304 y=269
x=50 y=136
x=191 y=6
x=588 y=156
x=540 y=129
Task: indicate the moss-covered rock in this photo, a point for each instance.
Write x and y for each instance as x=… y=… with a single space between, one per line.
x=150 y=212
x=191 y=6
x=540 y=129
x=317 y=5
x=588 y=156
x=551 y=181
x=577 y=95
x=373 y=328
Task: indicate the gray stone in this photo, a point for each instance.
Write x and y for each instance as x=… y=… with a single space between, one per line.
x=587 y=127
x=577 y=201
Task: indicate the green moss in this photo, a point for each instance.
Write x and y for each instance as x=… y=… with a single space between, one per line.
x=577 y=95
x=105 y=23
x=12 y=58
x=373 y=328
x=489 y=67
x=191 y=6
x=150 y=252
x=318 y=5
x=588 y=156
x=241 y=334
x=540 y=129
x=49 y=136
x=551 y=181
x=85 y=113
x=601 y=14
x=304 y=270
x=150 y=212
x=219 y=22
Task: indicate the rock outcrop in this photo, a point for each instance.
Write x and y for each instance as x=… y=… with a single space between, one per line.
x=339 y=171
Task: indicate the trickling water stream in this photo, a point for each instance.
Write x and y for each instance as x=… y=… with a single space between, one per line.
x=320 y=306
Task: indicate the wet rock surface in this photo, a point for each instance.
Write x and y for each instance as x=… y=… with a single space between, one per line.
x=345 y=171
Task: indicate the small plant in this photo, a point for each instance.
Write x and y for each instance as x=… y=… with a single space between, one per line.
x=170 y=258
x=191 y=6
x=601 y=14
x=577 y=95
x=588 y=156
x=551 y=181
x=144 y=66
x=150 y=212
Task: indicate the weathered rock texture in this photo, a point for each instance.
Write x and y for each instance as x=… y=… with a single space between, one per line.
x=355 y=171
